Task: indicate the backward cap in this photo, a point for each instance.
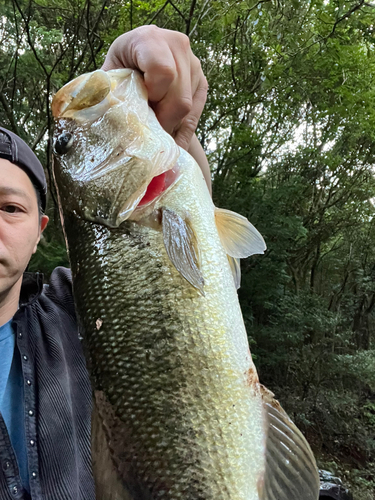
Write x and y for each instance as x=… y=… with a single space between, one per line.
x=14 y=149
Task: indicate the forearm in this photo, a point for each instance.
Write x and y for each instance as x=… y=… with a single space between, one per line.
x=197 y=152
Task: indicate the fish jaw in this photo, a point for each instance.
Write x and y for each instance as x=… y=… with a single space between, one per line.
x=108 y=144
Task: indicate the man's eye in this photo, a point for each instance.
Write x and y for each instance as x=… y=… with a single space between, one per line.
x=11 y=209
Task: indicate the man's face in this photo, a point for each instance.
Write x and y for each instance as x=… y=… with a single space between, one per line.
x=20 y=225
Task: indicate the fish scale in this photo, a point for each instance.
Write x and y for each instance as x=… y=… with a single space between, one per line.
x=168 y=350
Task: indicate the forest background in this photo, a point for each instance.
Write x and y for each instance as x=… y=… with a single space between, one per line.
x=289 y=129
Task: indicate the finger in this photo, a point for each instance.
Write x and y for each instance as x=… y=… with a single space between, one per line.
x=159 y=69
x=165 y=62
x=173 y=76
x=177 y=102
x=196 y=73
x=189 y=124
x=154 y=60
x=118 y=55
x=147 y=49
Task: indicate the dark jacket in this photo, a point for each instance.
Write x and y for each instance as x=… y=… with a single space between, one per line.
x=57 y=396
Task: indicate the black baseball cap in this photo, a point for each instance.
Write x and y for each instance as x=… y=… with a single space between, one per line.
x=14 y=149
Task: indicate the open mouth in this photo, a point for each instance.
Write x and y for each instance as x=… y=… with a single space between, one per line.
x=158 y=185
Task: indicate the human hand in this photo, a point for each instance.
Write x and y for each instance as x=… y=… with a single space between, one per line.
x=176 y=85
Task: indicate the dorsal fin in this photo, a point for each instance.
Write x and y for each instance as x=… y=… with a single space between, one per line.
x=238 y=237
x=291 y=472
x=182 y=248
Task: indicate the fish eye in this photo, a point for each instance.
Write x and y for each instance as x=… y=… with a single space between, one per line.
x=63 y=143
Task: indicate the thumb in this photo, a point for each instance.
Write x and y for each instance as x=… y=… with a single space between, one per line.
x=186 y=130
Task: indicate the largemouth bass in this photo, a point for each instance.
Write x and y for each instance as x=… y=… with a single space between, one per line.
x=179 y=412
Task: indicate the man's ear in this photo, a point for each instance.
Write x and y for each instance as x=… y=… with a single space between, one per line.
x=43 y=223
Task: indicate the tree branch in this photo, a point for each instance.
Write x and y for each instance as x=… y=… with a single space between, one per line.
x=158 y=12
x=233 y=54
x=201 y=15
x=89 y=34
x=39 y=137
x=27 y=27
x=191 y=13
x=80 y=59
x=10 y=116
x=177 y=10
x=345 y=16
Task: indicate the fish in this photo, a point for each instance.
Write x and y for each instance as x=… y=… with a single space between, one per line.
x=178 y=408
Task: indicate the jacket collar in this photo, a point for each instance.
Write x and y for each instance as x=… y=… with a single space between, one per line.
x=31 y=288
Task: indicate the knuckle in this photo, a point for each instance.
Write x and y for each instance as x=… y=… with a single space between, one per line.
x=205 y=83
x=190 y=124
x=200 y=95
x=197 y=68
x=144 y=35
x=185 y=105
x=196 y=63
x=165 y=73
x=179 y=40
x=185 y=41
x=144 y=30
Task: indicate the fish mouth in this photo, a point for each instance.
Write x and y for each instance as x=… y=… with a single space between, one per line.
x=89 y=95
x=142 y=203
x=158 y=187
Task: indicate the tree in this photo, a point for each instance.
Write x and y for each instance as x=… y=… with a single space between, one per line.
x=289 y=131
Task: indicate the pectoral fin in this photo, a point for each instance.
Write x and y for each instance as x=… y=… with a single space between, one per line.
x=238 y=237
x=181 y=245
x=291 y=472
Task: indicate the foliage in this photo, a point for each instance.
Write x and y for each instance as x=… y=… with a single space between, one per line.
x=289 y=128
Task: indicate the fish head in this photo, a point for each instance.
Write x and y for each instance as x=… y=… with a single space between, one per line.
x=109 y=148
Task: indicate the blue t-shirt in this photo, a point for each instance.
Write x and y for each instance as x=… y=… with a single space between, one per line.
x=11 y=397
